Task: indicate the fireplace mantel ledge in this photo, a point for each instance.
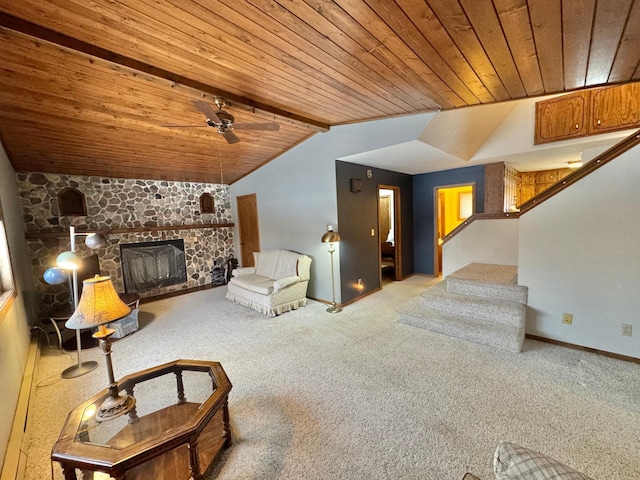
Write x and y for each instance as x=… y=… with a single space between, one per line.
x=112 y=231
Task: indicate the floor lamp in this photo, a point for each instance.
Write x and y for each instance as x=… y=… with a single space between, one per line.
x=71 y=261
x=332 y=237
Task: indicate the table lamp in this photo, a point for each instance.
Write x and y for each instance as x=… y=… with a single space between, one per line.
x=99 y=305
x=332 y=237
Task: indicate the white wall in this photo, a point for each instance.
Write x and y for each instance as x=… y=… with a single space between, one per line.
x=14 y=328
x=482 y=241
x=296 y=192
x=579 y=253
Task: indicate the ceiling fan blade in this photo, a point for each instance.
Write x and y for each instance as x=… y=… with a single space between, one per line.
x=208 y=110
x=184 y=126
x=256 y=126
x=229 y=136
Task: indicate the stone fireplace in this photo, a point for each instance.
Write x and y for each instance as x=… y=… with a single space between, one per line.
x=128 y=212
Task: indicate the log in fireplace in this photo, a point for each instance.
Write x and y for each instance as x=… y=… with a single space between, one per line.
x=151 y=265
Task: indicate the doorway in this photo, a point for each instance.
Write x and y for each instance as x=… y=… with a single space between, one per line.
x=389 y=233
x=453 y=205
x=248 y=228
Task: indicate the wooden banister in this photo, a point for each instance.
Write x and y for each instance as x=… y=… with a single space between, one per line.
x=588 y=168
x=479 y=216
x=618 y=149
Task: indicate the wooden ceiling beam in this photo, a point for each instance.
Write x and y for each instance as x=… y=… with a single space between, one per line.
x=45 y=34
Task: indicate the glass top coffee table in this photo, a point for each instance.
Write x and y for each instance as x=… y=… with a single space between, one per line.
x=177 y=430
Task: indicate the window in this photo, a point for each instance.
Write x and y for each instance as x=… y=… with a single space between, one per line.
x=7 y=292
x=465 y=205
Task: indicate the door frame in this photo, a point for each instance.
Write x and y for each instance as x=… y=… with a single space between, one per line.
x=397 y=231
x=437 y=268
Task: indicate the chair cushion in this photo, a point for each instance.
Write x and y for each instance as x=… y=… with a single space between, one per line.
x=512 y=461
x=285 y=282
x=254 y=283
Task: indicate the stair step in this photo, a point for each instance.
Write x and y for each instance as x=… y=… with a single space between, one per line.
x=490 y=310
x=498 y=335
x=499 y=282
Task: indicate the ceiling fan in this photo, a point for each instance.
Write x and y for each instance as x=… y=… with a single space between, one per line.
x=223 y=121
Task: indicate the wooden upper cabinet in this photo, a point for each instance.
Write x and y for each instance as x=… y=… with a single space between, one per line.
x=534 y=183
x=562 y=118
x=588 y=112
x=615 y=108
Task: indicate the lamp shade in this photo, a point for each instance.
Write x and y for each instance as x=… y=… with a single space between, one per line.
x=99 y=304
x=95 y=241
x=69 y=261
x=54 y=276
x=330 y=236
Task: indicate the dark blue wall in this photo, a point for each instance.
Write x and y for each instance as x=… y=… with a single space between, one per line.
x=424 y=209
x=357 y=215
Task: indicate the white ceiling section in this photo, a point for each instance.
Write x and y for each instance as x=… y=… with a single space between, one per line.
x=462 y=132
x=479 y=135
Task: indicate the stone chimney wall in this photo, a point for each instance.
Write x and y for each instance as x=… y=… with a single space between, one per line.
x=146 y=209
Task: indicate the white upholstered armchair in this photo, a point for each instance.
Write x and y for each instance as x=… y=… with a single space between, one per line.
x=278 y=283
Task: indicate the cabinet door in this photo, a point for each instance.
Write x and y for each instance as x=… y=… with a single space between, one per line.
x=562 y=117
x=563 y=173
x=526 y=192
x=546 y=176
x=615 y=108
x=527 y=178
x=542 y=187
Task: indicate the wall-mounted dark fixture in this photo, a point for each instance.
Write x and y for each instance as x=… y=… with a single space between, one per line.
x=356 y=185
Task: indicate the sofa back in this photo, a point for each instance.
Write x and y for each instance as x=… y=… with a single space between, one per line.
x=277 y=264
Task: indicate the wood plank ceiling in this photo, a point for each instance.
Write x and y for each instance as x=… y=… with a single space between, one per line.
x=86 y=87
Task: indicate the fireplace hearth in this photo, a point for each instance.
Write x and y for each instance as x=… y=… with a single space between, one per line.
x=151 y=265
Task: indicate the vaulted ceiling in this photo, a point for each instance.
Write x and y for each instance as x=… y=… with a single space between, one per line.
x=89 y=87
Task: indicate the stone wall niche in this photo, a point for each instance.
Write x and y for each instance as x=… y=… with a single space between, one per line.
x=71 y=202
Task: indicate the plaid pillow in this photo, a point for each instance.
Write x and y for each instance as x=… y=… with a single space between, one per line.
x=512 y=461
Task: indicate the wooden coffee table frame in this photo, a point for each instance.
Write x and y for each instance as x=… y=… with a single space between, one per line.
x=206 y=424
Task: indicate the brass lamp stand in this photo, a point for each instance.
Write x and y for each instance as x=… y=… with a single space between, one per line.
x=99 y=305
x=332 y=237
x=115 y=404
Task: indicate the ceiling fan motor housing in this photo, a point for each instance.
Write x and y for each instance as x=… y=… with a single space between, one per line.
x=225 y=117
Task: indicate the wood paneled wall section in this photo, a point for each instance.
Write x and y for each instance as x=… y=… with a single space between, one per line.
x=530 y=184
x=533 y=183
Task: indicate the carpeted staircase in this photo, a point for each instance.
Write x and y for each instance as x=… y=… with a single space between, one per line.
x=481 y=303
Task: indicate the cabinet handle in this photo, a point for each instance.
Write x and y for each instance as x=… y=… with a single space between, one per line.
x=577 y=126
x=598 y=122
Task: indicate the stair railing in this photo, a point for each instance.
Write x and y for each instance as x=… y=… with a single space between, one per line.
x=618 y=149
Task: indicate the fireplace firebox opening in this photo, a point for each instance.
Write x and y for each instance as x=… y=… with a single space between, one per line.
x=151 y=265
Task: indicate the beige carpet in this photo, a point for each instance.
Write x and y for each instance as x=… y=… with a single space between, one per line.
x=357 y=395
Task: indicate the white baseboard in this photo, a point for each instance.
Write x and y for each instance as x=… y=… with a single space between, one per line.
x=16 y=457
